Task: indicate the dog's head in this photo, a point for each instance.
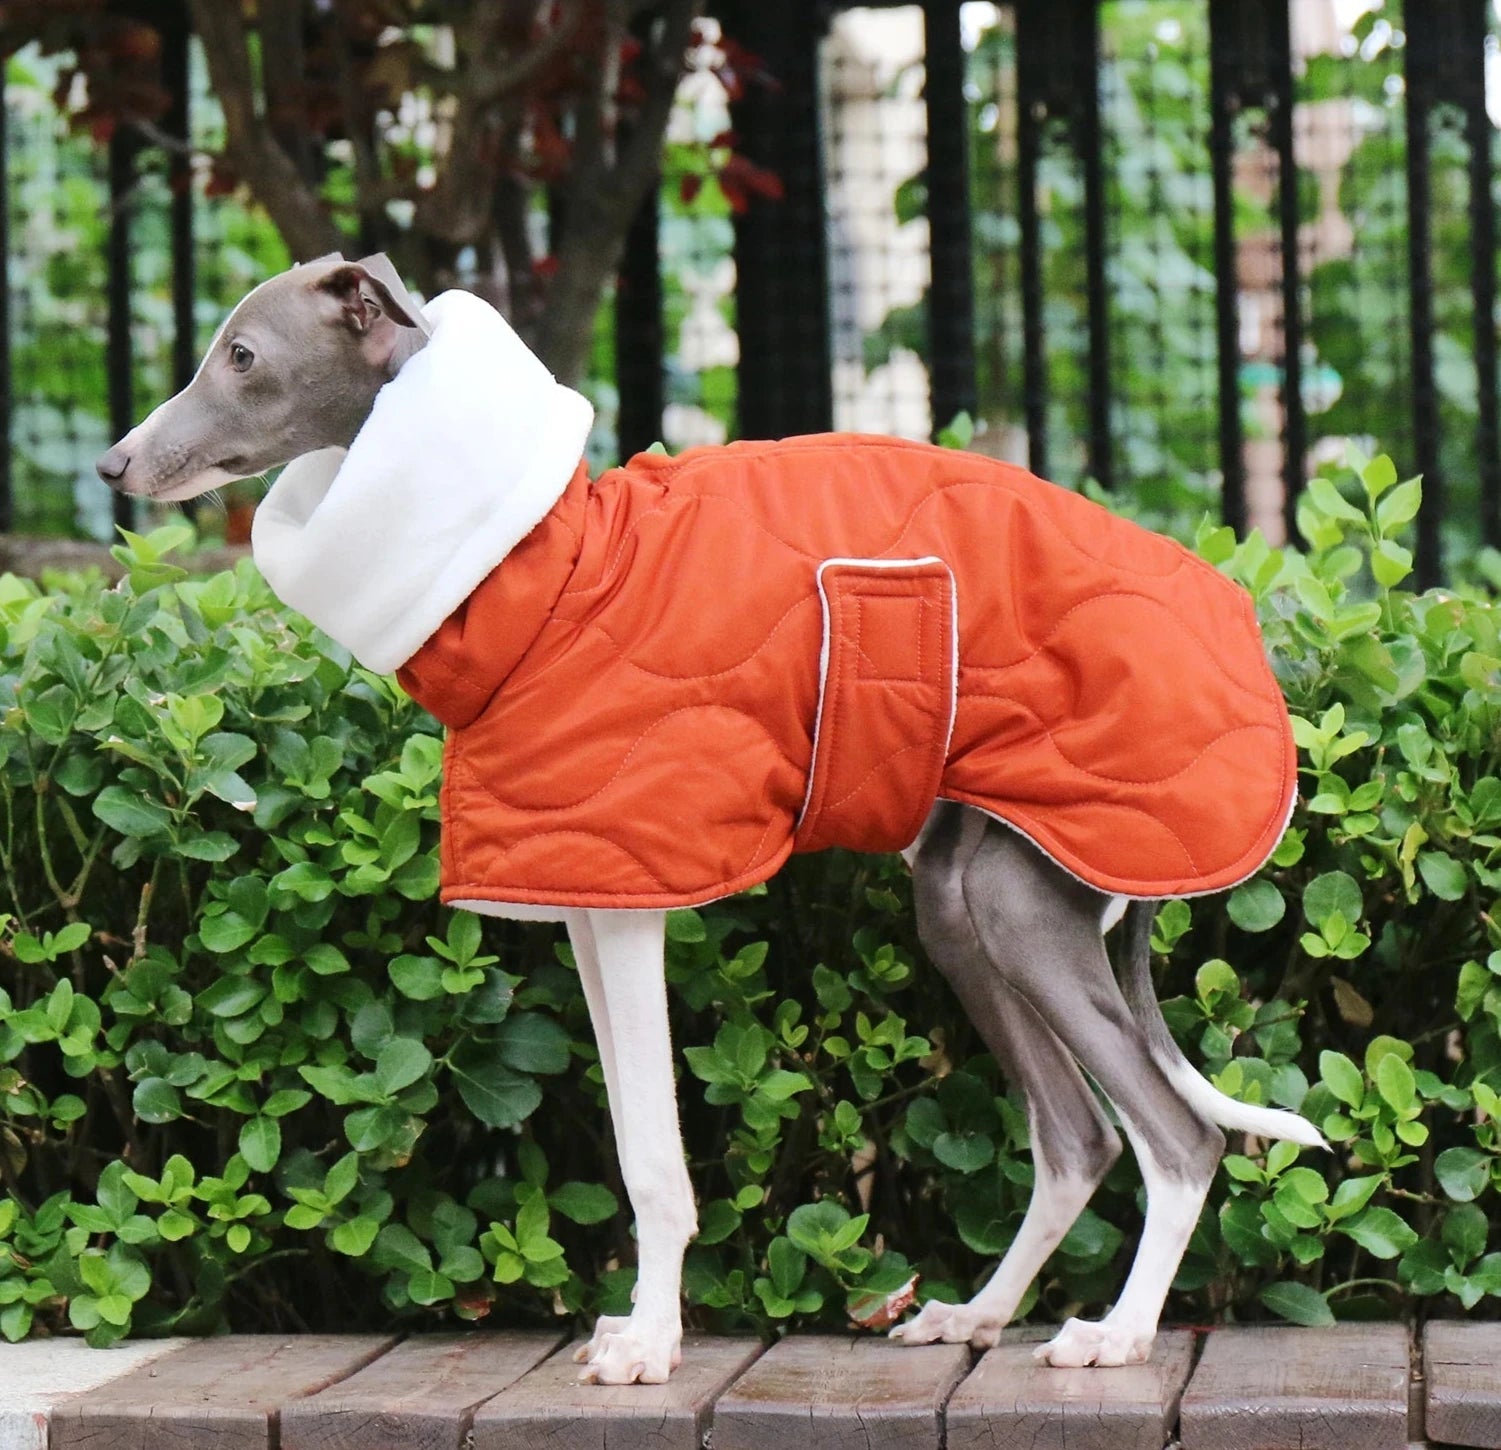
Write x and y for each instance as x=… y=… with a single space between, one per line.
x=295 y=368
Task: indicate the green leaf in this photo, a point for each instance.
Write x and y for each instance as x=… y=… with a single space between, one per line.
x=428 y=1287
x=260 y=1143
x=686 y=925
x=1465 y=1232
x=130 y=813
x=1380 y=1232
x=530 y=1042
x=355 y=1237
x=584 y=1203
x=1342 y=1077
x=287 y=1100
x=1327 y=498
x=1445 y=877
x=231 y=996
x=1378 y=475
x=1395 y=1082
x=156 y=1101
x=1334 y=891
x=964 y=1152
x=400 y=1063
x=490 y=1090
x=1400 y=506
x=1462 y=1173
x=1256 y=906
x=1297 y=1303
x=397 y=1247
x=420 y=978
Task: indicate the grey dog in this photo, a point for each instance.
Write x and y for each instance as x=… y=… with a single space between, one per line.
x=297 y=368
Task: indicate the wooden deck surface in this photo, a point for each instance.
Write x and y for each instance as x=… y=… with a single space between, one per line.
x=1355 y=1387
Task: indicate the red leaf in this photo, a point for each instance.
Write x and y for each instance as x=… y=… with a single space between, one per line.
x=880 y=1311
x=747 y=177
x=689 y=188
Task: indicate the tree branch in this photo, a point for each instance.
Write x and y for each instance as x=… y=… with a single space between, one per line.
x=284 y=75
x=603 y=199
x=293 y=205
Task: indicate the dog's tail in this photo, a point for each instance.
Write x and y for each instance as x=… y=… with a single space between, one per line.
x=1202 y=1096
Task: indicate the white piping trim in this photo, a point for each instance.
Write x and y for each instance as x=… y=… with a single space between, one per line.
x=1129 y=895
x=823 y=655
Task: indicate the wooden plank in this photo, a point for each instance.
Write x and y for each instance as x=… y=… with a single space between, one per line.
x=39 y=1374
x=1462 y=1371
x=841 y=1393
x=549 y=1406
x=421 y=1396
x=1010 y=1402
x=1341 y=1388
x=214 y=1394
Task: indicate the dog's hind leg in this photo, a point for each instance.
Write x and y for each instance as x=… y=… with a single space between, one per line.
x=1041 y=927
x=628 y=1003
x=1073 y=1143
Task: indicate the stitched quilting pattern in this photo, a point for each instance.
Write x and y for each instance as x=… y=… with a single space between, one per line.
x=651 y=741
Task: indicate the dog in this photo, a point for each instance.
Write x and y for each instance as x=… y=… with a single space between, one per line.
x=874 y=727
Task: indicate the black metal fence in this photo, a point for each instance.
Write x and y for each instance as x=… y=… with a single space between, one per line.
x=1187 y=248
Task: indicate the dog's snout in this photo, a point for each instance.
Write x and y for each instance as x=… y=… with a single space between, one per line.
x=112 y=465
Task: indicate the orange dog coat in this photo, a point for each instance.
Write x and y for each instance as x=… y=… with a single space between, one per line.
x=698 y=665
x=659 y=685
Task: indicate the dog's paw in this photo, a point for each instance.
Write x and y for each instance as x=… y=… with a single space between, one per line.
x=606 y=1324
x=939 y=1323
x=622 y=1352
x=1080 y=1343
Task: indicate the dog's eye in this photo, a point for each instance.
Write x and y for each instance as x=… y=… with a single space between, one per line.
x=240 y=357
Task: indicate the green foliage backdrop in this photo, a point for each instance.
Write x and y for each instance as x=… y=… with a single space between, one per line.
x=252 y=1075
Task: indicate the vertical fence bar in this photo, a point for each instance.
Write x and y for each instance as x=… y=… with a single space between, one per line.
x=1031 y=40
x=1280 y=127
x=781 y=255
x=951 y=295
x=119 y=348
x=1222 y=103
x=176 y=124
x=7 y=381
x=1420 y=68
x=638 y=330
x=1479 y=135
x=1089 y=141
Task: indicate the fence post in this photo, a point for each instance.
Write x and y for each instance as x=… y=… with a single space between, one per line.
x=781 y=259
x=1057 y=76
x=1445 y=64
x=1250 y=59
x=1280 y=126
x=638 y=330
x=7 y=381
x=1090 y=144
x=951 y=292
x=1224 y=100
x=177 y=124
x=119 y=347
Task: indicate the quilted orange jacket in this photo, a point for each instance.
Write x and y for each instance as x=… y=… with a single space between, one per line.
x=695 y=666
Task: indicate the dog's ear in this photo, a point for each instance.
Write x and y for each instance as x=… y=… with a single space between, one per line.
x=369 y=288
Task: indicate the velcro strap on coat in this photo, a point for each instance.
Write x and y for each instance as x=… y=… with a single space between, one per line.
x=886 y=702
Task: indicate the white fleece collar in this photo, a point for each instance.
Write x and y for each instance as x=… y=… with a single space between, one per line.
x=463 y=454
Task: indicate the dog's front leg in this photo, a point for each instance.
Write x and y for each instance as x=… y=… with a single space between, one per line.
x=620 y=959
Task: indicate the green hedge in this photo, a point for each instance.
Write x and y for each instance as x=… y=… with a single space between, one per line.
x=252 y=1075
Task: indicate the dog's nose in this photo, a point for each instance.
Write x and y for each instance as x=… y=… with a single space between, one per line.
x=111 y=467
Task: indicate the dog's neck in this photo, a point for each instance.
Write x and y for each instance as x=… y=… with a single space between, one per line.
x=409 y=342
